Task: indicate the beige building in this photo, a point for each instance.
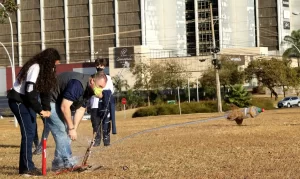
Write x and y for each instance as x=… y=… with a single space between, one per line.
x=80 y=29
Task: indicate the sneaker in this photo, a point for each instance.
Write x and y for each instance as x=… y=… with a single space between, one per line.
x=106 y=141
x=57 y=164
x=97 y=143
x=38 y=151
x=33 y=172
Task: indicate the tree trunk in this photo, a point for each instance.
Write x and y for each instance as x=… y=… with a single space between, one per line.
x=148 y=99
x=224 y=87
x=283 y=91
x=273 y=92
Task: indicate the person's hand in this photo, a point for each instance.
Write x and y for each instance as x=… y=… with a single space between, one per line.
x=72 y=134
x=45 y=114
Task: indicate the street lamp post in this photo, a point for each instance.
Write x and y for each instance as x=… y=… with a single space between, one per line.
x=218 y=88
x=12 y=60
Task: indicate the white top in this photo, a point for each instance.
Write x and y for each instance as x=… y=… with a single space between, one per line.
x=32 y=75
x=109 y=86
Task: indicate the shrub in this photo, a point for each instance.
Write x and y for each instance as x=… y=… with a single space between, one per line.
x=146 y=111
x=186 y=108
x=163 y=109
x=238 y=96
x=265 y=103
x=6 y=112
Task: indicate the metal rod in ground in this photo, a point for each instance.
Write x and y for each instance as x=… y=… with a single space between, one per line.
x=44 y=157
x=88 y=150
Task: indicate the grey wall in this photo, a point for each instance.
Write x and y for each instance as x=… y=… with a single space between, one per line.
x=3 y=81
x=237 y=23
x=295 y=19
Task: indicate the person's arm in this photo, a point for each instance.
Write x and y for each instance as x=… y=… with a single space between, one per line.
x=72 y=92
x=66 y=110
x=31 y=92
x=45 y=101
x=79 y=113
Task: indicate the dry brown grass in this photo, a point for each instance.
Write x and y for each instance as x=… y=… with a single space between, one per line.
x=263 y=147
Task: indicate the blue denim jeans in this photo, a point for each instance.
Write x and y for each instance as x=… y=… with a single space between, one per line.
x=46 y=130
x=45 y=134
x=63 y=154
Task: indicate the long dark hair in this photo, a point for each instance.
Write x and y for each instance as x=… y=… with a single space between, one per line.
x=47 y=77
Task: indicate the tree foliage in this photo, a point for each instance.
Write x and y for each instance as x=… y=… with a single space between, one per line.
x=134 y=99
x=272 y=73
x=238 y=96
x=120 y=84
x=294 y=41
x=229 y=75
x=297 y=80
x=158 y=76
x=174 y=75
x=10 y=7
x=142 y=73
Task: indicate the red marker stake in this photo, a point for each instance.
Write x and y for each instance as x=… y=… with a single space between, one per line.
x=44 y=159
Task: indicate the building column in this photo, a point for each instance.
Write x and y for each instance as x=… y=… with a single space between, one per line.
x=19 y=30
x=280 y=25
x=257 y=23
x=143 y=21
x=42 y=25
x=117 y=36
x=196 y=26
x=91 y=20
x=220 y=24
x=67 y=31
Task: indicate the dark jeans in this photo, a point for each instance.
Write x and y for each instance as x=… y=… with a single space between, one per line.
x=100 y=123
x=27 y=120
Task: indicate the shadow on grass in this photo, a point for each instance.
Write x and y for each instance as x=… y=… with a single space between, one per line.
x=9 y=146
x=232 y=125
x=291 y=124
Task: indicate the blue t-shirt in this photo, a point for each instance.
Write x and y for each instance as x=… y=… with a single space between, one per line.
x=73 y=91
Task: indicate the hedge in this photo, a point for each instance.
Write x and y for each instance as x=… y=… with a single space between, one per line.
x=186 y=108
x=195 y=107
x=266 y=103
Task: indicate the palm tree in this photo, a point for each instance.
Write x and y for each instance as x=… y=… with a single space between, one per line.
x=238 y=96
x=119 y=84
x=294 y=41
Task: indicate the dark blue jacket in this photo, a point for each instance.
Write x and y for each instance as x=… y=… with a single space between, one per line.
x=108 y=106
